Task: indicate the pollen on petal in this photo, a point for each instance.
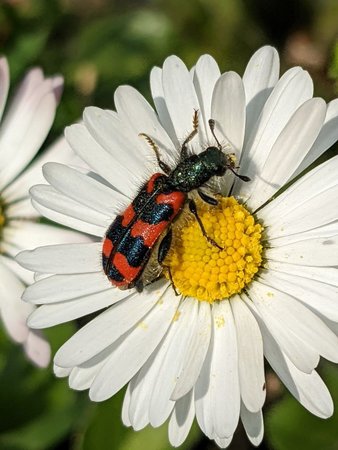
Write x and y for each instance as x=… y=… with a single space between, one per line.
x=202 y=270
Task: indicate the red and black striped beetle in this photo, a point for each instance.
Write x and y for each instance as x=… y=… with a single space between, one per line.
x=132 y=235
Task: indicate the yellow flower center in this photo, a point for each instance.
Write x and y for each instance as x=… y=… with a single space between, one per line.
x=202 y=270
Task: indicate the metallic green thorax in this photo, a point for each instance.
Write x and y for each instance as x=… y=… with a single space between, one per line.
x=194 y=171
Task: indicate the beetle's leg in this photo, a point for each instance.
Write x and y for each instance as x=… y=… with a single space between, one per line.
x=162 y=253
x=206 y=198
x=184 y=148
x=171 y=280
x=164 y=166
x=164 y=246
x=139 y=285
x=193 y=209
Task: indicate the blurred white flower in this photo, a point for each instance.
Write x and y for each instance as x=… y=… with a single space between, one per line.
x=270 y=290
x=23 y=130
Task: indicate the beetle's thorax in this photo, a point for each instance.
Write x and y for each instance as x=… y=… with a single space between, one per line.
x=194 y=171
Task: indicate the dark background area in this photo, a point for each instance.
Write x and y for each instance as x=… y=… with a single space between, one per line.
x=97 y=45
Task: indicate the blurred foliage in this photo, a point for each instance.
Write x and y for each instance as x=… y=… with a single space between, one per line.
x=333 y=72
x=97 y=45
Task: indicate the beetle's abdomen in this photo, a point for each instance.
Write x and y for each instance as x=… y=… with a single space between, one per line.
x=130 y=238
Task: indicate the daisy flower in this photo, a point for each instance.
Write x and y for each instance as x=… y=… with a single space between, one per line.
x=269 y=289
x=22 y=132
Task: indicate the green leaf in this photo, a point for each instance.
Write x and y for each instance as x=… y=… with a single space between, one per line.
x=26 y=50
x=105 y=431
x=333 y=70
x=157 y=439
x=37 y=410
x=49 y=427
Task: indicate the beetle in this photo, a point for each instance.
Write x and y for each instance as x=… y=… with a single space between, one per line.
x=131 y=237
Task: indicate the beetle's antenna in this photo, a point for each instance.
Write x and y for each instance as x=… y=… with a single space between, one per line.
x=212 y=129
x=163 y=165
x=184 y=149
x=152 y=145
x=241 y=177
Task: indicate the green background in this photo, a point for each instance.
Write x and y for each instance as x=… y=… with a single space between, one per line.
x=98 y=45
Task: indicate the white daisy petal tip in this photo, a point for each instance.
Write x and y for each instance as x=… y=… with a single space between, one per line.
x=196 y=355
x=38 y=349
x=57 y=86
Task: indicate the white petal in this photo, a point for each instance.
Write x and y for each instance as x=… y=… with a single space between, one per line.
x=318 y=180
x=133 y=349
x=66 y=220
x=26 y=234
x=179 y=338
x=205 y=76
x=325 y=231
x=260 y=76
x=223 y=442
x=250 y=356
x=108 y=327
x=281 y=316
x=307 y=325
x=203 y=404
x=113 y=134
x=141 y=118
x=24 y=134
x=21 y=209
x=196 y=353
x=56 y=313
x=224 y=379
x=100 y=160
x=253 y=425
x=320 y=297
x=82 y=377
x=13 y=311
x=50 y=198
x=293 y=89
x=32 y=81
x=181 y=420
x=63 y=258
x=125 y=408
x=40 y=276
x=180 y=95
x=313 y=213
x=25 y=275
x=288 y=151
x=141 y=390
x=61 y=372
x=161 y=107
x=327 y=137
x=59 y=151
x=84 y=189
x=142 y=385
x=228 y=110
x=328 y=275
x=37 y=349
x=60 y=288
x=311 y=252
x=308 y=389
x=4 y=83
